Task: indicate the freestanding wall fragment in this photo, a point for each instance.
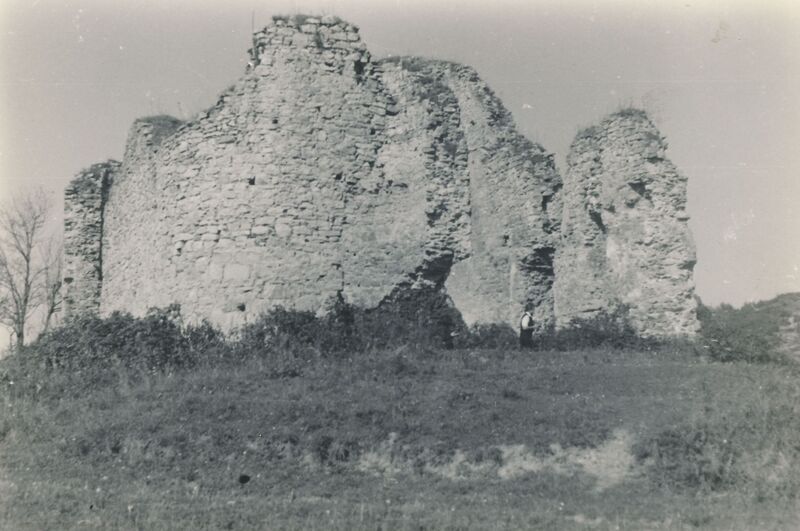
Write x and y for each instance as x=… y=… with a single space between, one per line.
x=84 y=202
x=625 y=238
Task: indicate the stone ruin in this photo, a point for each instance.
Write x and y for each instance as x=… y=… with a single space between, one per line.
x=325 y=172
x=625 y=240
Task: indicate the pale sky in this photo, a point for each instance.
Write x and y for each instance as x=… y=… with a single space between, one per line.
x=720 y=79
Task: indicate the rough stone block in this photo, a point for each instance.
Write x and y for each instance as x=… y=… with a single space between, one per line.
x=236 y=272
x=283 y=230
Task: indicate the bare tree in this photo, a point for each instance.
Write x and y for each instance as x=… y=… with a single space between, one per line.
x=22 y=225
x=52 y=265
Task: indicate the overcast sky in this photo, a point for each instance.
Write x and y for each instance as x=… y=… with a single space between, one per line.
x=720 y=79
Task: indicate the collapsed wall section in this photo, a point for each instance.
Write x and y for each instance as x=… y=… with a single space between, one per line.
x=625 y=240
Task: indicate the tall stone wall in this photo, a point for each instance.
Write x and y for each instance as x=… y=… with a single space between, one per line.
x=85 y=199
x=515 y=213
x=626 y=243
x=323 y=172
x=135 y=236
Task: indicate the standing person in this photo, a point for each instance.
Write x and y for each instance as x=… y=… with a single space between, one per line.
x=526 y=330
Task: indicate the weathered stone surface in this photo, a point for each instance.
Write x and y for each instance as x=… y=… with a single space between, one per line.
x=323 y=172
x=320 y=172
x=85 y=199
x=625 y=237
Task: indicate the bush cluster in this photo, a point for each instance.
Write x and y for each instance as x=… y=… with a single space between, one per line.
x=750 y=333
x=287 y=340
x=422 y=319
x=156 y=341
x=606 y=329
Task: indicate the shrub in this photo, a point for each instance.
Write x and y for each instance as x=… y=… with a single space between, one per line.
x=289 y=340
x=751 y=333
x=298 y=19
x=627 y=110
x=606 y=329
x=491 y=336
x=418 y=318
x=279 y=328
x=153 y=342
x=285 y=339
x=409 y=63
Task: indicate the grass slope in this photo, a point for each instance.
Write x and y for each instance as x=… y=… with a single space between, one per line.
x=407 y=439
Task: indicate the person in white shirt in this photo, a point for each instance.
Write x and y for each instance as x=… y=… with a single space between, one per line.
x=526 y=330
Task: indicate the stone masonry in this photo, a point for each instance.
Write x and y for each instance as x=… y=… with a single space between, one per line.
x=83 y=232
x=325 y=172
x=626 y=243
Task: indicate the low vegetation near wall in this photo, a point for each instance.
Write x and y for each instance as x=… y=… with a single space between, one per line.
x=287 y=340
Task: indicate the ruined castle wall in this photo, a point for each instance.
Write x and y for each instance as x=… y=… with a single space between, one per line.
x=134 y=239
x=625 y=237
x=515 y=202
x=248 y=203
x=85 y=199
x=321 y=172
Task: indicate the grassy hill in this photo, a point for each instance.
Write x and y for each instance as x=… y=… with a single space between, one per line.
x=405 y=437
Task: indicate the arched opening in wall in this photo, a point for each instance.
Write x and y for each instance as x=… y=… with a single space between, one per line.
x=251 y=181
x=422 y=306
x=426 y=314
